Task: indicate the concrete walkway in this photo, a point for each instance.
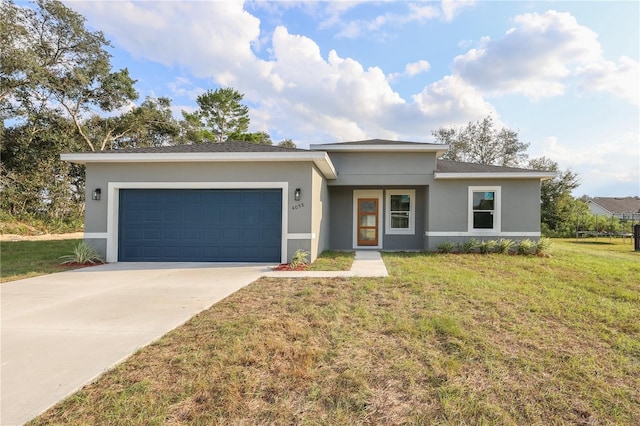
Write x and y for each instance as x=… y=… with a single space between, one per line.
x=61 y=331
x=366 y=264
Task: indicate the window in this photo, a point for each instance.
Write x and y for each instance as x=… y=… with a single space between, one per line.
x=484 y=206
x=400 y=211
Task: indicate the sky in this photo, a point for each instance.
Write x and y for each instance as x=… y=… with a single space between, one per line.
x=565 y=75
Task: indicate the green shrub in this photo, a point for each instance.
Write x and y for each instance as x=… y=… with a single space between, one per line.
x=542 y=245
x=468 y=246
x=504 y=245
x=82 y=254
x=300 y=257
x=525 y=246
x=445 y=247
x=486 y=247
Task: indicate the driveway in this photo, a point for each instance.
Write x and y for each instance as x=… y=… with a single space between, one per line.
x=61 y=331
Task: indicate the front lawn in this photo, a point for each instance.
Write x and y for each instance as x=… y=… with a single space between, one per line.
x=25 y=259
x=446 y=339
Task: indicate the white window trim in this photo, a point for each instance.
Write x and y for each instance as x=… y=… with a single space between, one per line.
x=412 y=212
x=497 y=224
x=366 y=193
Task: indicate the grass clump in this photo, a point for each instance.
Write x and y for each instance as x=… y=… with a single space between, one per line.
x=504 y=246
x=331 y=260
x=445 y=247
x=486 y=247
x=542 y=245
x=82 y=254
x=468 y=246
x=525 y=246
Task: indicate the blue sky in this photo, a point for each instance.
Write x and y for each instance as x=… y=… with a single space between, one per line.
x=564 y=74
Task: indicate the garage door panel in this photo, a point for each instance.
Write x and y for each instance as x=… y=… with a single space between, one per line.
x=200 y=225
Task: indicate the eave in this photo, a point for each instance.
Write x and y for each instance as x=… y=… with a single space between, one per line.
x=320 y=159
x=495 y=175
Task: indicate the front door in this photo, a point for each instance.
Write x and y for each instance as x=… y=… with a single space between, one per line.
x=368 y=221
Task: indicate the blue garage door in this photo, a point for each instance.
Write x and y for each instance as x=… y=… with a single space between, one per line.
x=200 y=225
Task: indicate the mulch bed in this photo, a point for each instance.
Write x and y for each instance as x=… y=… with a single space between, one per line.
x=288 y=267
x=82 y=265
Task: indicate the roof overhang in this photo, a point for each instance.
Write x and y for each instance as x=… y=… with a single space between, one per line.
x=320 y=159
x=415 y=147
x=496 y=175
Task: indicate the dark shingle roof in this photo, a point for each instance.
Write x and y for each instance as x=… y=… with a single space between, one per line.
x=618 y=204
x=378 y=142
x=230 y=146
x=448 y=166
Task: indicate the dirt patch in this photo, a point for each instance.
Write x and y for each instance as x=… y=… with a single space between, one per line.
x=43 y=237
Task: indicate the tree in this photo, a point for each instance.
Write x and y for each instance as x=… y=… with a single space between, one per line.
x=43 y=47
x=287 y=143
x=481 y=143
x=260 y=138
x=220 y=114
x=558 y=207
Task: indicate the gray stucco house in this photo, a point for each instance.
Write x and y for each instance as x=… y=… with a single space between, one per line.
x=243 y=202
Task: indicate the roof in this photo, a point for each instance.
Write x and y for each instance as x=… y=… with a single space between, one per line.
x=381 y=145
x=618 y=204
x=229 y=146
x=238 y=151
x=447 y=169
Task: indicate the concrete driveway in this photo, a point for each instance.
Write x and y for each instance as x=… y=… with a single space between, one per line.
x=61 y=331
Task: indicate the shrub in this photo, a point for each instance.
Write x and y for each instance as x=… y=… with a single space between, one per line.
x=300 y=257
x=468 y=246
x=487 y=246
x=525 y=246
x=82 y=254
x=504 y=245
x=542 y=245
x=445 y=247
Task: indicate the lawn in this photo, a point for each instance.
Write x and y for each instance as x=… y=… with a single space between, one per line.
x=24 y=259
x=446 y=339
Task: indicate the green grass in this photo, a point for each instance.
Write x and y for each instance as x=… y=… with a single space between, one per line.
x=330 y=260
x=24 y=259
x=446 y=339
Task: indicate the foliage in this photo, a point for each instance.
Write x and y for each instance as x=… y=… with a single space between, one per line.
x=468 y=246
x=300 y=257
x=83 y=254
x=504 y=245
x=542 y=246
x=220 y=114
x=445 y=247
x=486 y=247
x=287 y=143
x=481 y=143
x=260 y=138
x=525 y=246
x=557 y=205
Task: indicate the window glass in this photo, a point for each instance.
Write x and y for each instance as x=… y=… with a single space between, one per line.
x=484 y=209
x=400 y=208
x=483 y=200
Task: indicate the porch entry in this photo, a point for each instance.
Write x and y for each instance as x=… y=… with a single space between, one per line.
x=368 y=221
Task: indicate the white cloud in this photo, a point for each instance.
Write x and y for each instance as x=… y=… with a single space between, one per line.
x=451 y=8
x=534 y=58
x=620 y=79
x=411 y=69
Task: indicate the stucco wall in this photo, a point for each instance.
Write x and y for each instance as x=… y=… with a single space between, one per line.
x=320 y=214
x=383 y=168
x=341 y=225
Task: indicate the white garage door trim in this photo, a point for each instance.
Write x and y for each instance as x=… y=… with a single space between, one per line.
x=113 y=205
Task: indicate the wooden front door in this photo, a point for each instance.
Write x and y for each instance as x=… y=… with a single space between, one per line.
x=368 y=221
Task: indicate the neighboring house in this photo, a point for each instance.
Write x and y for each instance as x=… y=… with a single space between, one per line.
x=625 y=208
x=238 y=201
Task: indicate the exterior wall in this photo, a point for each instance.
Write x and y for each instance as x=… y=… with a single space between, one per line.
x=320 y=218
x=342 y=226
x=449 y=211
x=289 y=176
x=383 y=168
